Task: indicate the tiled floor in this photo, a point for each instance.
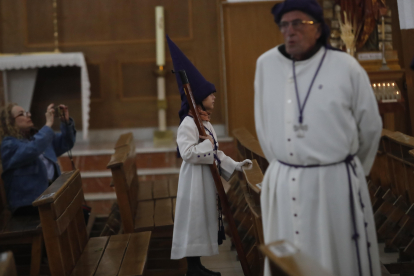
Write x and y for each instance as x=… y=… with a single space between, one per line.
x=225 y=262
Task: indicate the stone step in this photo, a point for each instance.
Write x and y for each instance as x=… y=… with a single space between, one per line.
x=95 y=157
x=100 y=195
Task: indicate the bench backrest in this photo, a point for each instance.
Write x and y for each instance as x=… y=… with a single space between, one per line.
x=125 y=178
x=248 y=147
x=63 y=223
x=400 y=164
x=7 y=265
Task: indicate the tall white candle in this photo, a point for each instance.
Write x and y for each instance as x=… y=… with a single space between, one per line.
x=159 y=35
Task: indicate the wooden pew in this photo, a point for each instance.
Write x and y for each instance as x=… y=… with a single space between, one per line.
x=113 y=223
x=146 y=205
x=68 y=249
x=246 y=190
x=7 y=265
x=287 y=260
x=393 y=171
x=20 y=230
x=395 y=209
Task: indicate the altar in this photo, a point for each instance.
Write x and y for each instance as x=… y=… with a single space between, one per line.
x=19 y=78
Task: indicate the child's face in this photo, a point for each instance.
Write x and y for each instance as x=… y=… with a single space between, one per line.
x=208 y=102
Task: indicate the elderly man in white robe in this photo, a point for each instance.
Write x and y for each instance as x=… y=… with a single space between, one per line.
x=318 y=124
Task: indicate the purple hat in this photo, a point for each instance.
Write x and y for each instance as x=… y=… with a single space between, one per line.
x=310 y=7
x=199 y=85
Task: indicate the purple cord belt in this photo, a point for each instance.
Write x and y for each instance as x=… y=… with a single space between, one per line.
x=348 y=161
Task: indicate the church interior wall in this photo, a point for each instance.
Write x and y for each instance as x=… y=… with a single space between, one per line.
x=118 y=41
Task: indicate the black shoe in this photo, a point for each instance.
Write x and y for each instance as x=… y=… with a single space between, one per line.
x=197 y=271
x=211 y=273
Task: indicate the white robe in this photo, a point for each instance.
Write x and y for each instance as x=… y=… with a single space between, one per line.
x=196 y=216
x=311 y=206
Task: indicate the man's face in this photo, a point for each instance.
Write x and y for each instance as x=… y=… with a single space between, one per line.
x=299 y=39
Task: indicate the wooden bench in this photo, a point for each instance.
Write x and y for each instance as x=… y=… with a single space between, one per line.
x=244 y=194
x=286 y=260
x=113 y=223
x=393 y=177
x=146 y=205
x=68 y=249
x=20 y=230
x=7 y=265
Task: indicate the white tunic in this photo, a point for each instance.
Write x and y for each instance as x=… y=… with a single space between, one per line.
x=196 y=216
x=311 y=206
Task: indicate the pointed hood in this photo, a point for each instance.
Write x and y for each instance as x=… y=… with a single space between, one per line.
x=199 y=85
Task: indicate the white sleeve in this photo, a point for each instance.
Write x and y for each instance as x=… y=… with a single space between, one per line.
x=227 y=165
x=188 y=144
x=367 y=117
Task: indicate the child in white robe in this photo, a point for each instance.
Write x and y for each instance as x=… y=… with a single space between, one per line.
x=196 y=215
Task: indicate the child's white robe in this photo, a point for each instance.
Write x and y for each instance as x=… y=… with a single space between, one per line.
x=196 y=216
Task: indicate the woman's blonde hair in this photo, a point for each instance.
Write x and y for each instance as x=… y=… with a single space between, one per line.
x=7 y=125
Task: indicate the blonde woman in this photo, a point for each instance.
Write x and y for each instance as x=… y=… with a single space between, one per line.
x=28 y=156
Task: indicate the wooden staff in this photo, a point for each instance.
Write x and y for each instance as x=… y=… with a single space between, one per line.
x=216 y=176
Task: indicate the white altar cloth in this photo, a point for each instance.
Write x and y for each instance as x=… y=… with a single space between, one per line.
x=28 y=62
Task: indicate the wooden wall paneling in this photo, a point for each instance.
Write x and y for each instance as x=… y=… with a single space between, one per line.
x=249 y=31
x=110 y=32
x=58 y=85
x=94 y=72
x=408 y=55
x=109 y=22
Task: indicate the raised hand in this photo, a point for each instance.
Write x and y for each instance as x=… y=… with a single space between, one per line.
x=50 y=115
x=65 y=112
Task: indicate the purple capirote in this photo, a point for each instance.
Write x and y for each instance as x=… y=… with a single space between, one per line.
x=199 y=85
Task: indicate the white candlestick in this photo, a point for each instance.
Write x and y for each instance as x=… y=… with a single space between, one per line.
x=162 y=120
x=159 y=34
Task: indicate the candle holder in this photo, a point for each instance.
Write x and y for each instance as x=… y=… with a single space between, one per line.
x=162 y=136
x=384 y=61
x=55 y=27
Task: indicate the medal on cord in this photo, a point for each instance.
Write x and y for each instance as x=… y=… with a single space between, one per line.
x=301 y=128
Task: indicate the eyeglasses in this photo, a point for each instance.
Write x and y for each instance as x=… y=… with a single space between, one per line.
x=296 y=24
x=24 y=113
